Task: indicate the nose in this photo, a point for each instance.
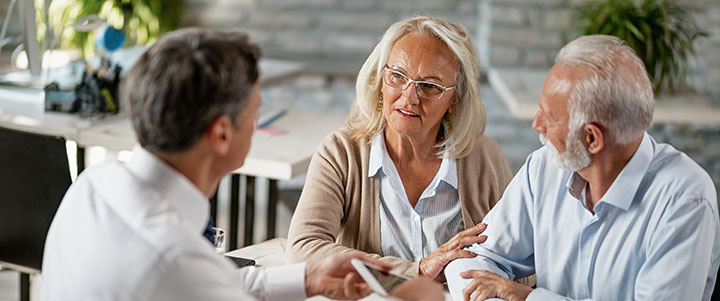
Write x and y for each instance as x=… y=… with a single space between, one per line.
x=537 y=124
x=410 y=94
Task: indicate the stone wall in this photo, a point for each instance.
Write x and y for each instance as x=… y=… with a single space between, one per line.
x=326 y=30
x=521 y=33
x=699 y=142
x=528 y=34
x=705 y=73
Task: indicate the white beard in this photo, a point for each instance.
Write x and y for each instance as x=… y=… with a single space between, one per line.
x=575 y=157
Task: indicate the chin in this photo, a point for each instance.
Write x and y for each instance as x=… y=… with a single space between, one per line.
x=575 y=157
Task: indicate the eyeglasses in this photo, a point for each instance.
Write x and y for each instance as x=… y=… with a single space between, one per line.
x=424 y=89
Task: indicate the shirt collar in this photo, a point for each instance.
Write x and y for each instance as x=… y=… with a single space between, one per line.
x=378 y=155
x=377 y=152
x=182 y=194
x=448 y=172
x=623 y=189
x=575 y=185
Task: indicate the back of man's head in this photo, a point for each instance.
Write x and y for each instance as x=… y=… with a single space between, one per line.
x=615 y=90
x=184 y=81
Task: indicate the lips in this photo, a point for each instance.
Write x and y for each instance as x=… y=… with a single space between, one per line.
x=407 y=114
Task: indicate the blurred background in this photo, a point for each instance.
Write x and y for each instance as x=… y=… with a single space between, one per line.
x=516 y=39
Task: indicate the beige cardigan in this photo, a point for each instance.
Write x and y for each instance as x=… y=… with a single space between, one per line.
x=338 y=207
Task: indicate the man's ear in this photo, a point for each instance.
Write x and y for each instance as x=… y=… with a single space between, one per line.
x=219 y=134
x=593 y=138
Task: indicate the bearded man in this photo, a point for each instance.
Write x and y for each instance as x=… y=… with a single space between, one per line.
x=602 y=211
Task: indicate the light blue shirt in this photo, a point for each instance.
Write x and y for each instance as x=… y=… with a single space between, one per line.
x=654 y=234
x=414 y=233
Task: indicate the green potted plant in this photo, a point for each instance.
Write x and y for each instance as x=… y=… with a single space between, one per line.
x=143 y=21
x=661 y=32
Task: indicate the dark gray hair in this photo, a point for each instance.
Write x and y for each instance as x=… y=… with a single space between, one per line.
x=186 y=80
x=616 y=92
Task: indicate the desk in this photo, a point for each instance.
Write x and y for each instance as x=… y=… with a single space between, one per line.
x=23 y=109
x=272 y=253
x=279 y=157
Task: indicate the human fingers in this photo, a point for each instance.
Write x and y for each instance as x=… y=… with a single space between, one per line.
x=367 y=258
x=481 y=295
x=432 y=265
x=354 y=287
x=474 y=230
x=455 y=254
x=466 y=237
x=482 y=291
x=470 y=289
x=469 y=274
x=466 y=241
x=477 y=290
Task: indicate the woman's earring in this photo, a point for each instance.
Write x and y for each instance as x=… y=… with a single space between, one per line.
x=448 y=121
x=380 y=104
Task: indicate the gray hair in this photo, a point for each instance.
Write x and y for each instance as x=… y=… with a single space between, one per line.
x=615 y=92
x=469 y=118
x=186 y=80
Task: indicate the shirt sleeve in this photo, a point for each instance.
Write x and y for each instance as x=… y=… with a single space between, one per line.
x=541 y=294
x=209 y=276
x=679 y=255
x=508 y=250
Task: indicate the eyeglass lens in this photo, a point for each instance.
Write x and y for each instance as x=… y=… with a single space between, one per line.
x=424 y=89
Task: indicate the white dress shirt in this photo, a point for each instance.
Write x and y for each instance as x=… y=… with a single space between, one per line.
x=133 y=231
x=414 y=233
x=654 y=234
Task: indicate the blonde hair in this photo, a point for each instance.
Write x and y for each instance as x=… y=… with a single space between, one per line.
x=468 y=120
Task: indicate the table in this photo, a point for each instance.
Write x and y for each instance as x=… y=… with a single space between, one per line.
x=520 y=90
x=22 y=108
x=272 y=253
x=278 y=157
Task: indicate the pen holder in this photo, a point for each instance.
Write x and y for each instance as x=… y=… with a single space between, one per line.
x=95 y=96
x=97 y=93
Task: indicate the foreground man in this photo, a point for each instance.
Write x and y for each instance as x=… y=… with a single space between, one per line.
x=133 y=231
x=602 y=211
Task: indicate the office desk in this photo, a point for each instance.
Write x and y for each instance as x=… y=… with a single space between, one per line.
x=279 y=157
x=22 y=108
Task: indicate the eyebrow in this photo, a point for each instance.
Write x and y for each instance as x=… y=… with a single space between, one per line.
x=401 y=70
x=547 y=113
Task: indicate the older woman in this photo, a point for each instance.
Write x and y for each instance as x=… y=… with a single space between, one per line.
x=411 y=174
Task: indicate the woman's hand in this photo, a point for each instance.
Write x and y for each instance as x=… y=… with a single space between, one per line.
x=433 y=265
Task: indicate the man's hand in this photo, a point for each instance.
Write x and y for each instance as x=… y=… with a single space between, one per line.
x=488 y=285
x=420 y=289
x=433 y=265
x=335 y=277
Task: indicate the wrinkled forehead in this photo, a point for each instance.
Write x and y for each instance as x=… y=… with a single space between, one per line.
x=416 y=48
x=558 y=87
x=562 y=78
